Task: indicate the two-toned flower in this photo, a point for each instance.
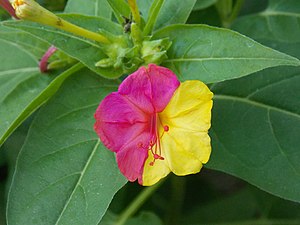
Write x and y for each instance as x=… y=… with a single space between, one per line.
x=156 y=125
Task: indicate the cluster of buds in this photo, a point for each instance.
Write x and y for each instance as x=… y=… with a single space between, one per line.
x=126 y=52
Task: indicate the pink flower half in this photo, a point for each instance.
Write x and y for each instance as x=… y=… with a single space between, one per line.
x=126 y=120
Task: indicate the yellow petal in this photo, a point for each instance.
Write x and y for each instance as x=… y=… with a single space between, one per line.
x=182 y=154
x=190 y=107
x=152 y=174
x=186 y=145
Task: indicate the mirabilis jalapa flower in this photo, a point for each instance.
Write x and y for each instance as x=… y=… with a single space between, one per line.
x=156 y=125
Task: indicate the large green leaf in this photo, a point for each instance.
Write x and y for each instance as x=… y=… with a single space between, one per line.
x=2 y=203
x=64 y=175
x=120 y=9
x=86 y=51
x=202 y=4
x=20 y=79
x=214 y=54
x=144 y=218
x=35 y=48
x=255 y=130
x=23 y=88
x=242 y=206
x=171 y=12
x=89 y=7
x=277 y=26
x=35 y=101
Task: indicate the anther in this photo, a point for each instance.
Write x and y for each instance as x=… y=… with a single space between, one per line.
x=166 y=128
x=156 y=156
x=140 y=145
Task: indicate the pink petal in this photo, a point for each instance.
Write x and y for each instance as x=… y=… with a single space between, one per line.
x=132 y=157
x=164 y=83
x=43 y=64
x=118 y=121
x=150 y=89
x=123 y=119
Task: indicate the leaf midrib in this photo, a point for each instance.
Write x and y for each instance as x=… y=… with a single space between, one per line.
x=19 y=70
x=78 y=182
x=294 y=60
x=279 y=13
x=255 y=103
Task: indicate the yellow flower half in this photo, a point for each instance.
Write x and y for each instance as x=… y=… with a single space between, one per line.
x=186 y=145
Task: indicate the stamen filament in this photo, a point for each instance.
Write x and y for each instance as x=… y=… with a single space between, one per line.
x=155 y=140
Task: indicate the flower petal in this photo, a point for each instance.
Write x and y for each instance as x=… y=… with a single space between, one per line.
x=118 y=122
x=150 y=89
x=186 y=151
x=132 y=156
x=190 y=107
x=186 y=145
x=152 y=174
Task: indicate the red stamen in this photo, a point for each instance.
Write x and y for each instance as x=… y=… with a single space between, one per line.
x=140 y=145
x=155 y=138
x=166 y=128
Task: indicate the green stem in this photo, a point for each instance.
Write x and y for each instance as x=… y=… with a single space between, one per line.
x=224 y=8
x=137 y=203
x=236 y=10
x=177 y=198
x=135 y=12
x=153 y=14
x=32 y=11
x=228 y=13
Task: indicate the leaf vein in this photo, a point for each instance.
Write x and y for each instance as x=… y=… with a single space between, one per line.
x=255 y=103
x=79 y=180
x=278 y=144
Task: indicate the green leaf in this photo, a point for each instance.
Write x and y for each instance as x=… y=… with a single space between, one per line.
x=2 y=203
x=120 y=8
x=89 y=7
x=241 y=206
x=211 y=54
x=171 y=12
x=277 y=26
x=202 y=4
x=35 y=101
x=22 y=87
x=231 y=208
x=86 y=51
x=144 y=218
x=262 y=221
x=65 y=174
x=255 y=130
x=153 y=14
x=20 y=79
x=35 y=48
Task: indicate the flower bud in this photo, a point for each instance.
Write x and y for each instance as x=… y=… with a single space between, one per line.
x=155 y=51
x=32 y=11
